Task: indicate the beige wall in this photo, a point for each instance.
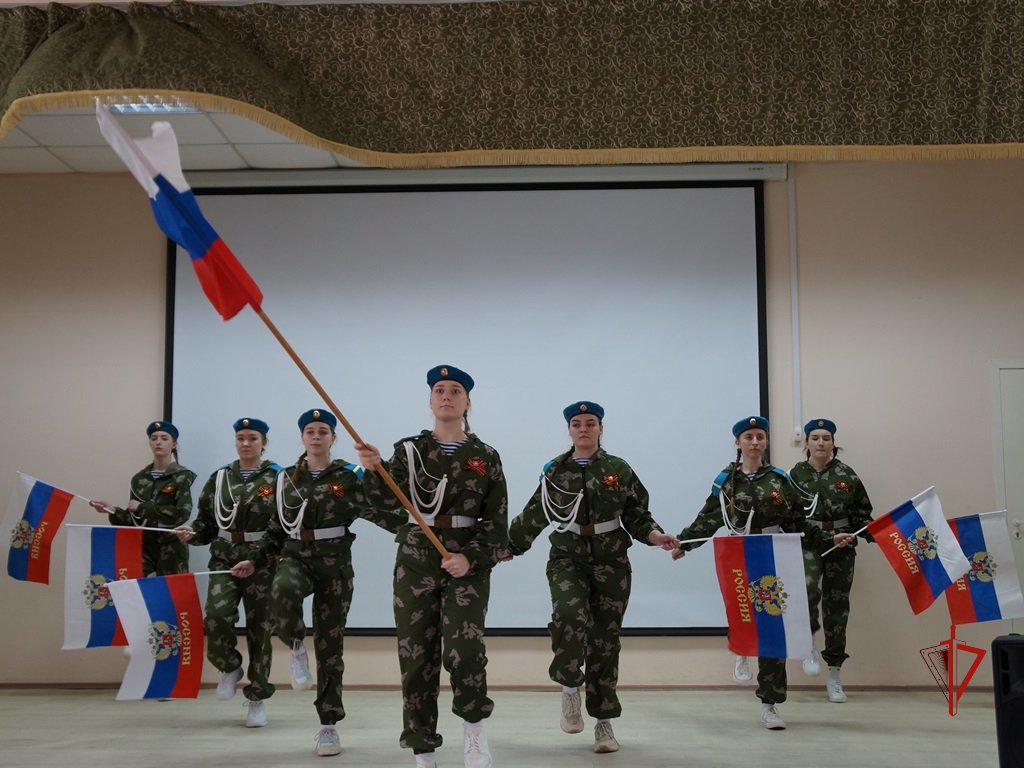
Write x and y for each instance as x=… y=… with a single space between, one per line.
x=909 y=275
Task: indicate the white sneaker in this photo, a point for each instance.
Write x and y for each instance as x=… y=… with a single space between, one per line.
x=770 y=718
x=475 y=751
x=228 y=684
x=604 y=738
x=328 y=742
x=256 y=714
x=571 y=720
x=300 y=668
x=836 y=694
x=812 y=664
x=426 y=760
x=741 y=672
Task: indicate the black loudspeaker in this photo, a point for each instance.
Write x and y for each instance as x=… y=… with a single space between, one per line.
x=1008 y=682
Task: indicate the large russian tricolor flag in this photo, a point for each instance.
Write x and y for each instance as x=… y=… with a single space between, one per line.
x=96 y=556
x=34 y=515
x=156 y=165
x=920 y=546
x=991 y=588
x=762 y=581
x=163 y=621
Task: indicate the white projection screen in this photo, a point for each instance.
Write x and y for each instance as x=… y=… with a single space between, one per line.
x=647 y=298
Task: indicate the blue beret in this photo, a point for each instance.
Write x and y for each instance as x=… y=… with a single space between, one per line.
x=582 y=407
x=814 y=424
x=162 y=426
x=257 y=424
x=449 y=373
x=751 y=422
x=317 y=414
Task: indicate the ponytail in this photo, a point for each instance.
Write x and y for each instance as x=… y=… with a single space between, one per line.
x=299 y=466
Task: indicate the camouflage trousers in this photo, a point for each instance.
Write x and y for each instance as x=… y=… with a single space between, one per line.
x=222 y=600
x=771 y=680
x=163 y=554
x=439 y=621
x=323 y=569
x=588 y=601
x=829 y=581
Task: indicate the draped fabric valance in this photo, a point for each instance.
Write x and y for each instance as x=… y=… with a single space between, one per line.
x=555 y=81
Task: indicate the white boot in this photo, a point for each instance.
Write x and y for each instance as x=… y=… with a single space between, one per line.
x=836 y=694
x=812 y=664
x=741 y=672
x=475 y=751
x=255 y=714
x=571 y=720
x=228 y=684
x=426 y=760
x=604 y=738
x=771 y=719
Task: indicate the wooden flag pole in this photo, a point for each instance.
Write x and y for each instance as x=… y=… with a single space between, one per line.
x=380 y=469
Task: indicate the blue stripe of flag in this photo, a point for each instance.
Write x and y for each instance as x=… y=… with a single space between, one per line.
x=908 y=520
x=160 y=607
x=759 y=554
x=103 y=561
x=983 y=594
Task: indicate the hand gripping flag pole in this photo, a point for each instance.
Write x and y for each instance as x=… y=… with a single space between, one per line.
x=156 y=165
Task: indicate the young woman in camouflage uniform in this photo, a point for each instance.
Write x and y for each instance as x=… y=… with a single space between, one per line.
x=161 y=497
x=758 y=498
x=457 y=483
x=235 y=509
x=317 y=501
x=840 y=505
x=597 y=506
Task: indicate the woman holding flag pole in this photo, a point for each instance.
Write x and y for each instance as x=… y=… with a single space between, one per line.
x=839 y=503
x=235 y=510
x=457 y=485
x=317 y=500
x=752 y=496
x=161 y=497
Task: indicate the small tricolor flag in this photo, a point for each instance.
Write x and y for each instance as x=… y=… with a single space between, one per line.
x=156 y=165
x=920 y=546
x=762 y=581
x=97 y=555
x=991 y=588
x=163 y=621
x=34 y=515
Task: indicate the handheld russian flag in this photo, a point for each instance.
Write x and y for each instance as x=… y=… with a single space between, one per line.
x=34 y=515
x=920 y=546
x=156 y=165
x=763 y=585
x=97 y=555
x=163 y=621
x=991 y=588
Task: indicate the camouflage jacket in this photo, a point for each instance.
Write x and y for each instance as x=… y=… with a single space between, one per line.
x=611 y=490
x=335 y=498
x=256 y=506
x=840 y=492
x=770 y=494
x=165 y=502
x=476 y=488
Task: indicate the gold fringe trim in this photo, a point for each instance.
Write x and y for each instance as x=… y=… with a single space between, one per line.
x=28 y=105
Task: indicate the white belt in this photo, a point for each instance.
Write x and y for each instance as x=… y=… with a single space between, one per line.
x=593 y=530
x=320 y=534
x=446 y=521
x=237 y=537
x=769 y=529
x=831 y=525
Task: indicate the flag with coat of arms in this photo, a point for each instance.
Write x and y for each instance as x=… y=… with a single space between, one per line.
x=990 y=590
x=762 y=580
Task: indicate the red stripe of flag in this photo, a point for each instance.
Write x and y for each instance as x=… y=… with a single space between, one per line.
x=128 y=562
x=42 y=539
x=731 y=565
x=190 y=624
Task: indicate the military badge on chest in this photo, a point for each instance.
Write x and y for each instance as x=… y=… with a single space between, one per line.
x=842 y=486
x=169 y=488
x=336 y=489
x=265 y=491
x=610 y=481
x=776 y=497
x=478 y=465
